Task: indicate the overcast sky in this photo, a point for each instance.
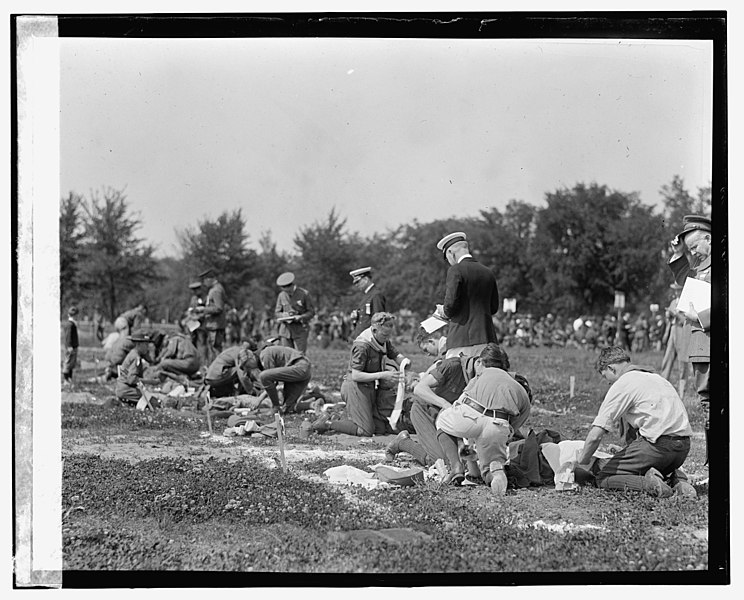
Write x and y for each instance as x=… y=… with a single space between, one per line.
x=384 y=130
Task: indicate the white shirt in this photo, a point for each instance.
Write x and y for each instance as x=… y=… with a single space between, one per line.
x=463 y=257
x=369 y=287
x=647 y=402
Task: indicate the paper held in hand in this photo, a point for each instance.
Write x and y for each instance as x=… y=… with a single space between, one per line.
x=433 y=324
x=697 y=292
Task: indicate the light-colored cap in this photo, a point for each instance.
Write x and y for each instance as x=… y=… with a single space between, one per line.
x=450 y=239
x=285 y=279
x=357 y=274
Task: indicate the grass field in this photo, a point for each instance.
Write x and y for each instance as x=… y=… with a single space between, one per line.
x=153 y=492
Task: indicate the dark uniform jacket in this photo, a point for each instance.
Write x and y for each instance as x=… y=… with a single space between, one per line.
x=373 y=302
x=471 y=297
x=699 y=346
x=214 y=308
x=70 y=331
x=296 y=302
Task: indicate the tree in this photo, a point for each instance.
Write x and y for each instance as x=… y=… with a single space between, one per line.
x=70 y=241
x=115 y=265
x=220 y=245
x=261 y=290
x=326 y=255
x=590 y=241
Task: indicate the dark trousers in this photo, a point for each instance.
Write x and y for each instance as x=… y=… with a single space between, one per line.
x=295 y=378
x=626 y=469
x=424 y=417
x=215 y=342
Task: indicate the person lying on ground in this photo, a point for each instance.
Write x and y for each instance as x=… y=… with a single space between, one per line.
x=132 y=369
x=287 y=365
x=490 y=410
x=656 y=424
x=367 y=365
x=178 y=357
x=230 y=373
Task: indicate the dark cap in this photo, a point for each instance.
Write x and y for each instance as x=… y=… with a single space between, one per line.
x=695 y=223
x=207 y=273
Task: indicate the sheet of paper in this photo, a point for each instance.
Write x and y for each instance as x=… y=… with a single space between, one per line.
x=433 y=324
x=697 y=292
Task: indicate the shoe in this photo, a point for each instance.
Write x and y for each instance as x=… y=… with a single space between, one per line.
x=394 y=447
x=656 y=483
x=684 y=489
x=455 y=478
x=322 y=423
x=474 y=479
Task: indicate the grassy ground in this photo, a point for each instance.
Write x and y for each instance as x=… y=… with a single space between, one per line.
x=153 y=492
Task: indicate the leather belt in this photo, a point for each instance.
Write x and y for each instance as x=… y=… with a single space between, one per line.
x=487 y=412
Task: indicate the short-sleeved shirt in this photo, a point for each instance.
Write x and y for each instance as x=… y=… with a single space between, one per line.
x=368 y=359
x=494 y=388
x=451 y=379
x=647 y=402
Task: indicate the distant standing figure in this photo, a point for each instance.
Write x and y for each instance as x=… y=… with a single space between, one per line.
x=372 y=302
x=471 y=298
x=676 y=340
x=294 y=309
x=214 y=314
x=69 y=328
x=98 y=324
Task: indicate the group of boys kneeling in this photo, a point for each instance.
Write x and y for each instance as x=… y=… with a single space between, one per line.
x=474 y=398
x=478 y=398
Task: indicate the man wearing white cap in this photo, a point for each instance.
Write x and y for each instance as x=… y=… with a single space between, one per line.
x=372 y=302
x=294 y=309
x=471 y=298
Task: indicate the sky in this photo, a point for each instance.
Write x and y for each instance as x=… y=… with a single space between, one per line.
x=383 y=130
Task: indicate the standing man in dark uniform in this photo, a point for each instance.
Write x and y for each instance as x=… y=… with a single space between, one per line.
x=372 y=302
x=471 y=298
x=213 y=313
x=695 y=238
x=294 y=309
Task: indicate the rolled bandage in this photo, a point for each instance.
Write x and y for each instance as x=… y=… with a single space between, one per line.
x=400 y=396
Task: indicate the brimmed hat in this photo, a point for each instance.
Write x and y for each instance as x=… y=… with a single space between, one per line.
x=450 y=239
x=357 y=274
x=285 y=279
x=195 y=285
x=695 y=223
x=207 y=273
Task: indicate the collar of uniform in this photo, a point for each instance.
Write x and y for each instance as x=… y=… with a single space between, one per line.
x=463 y=257
x=369 y=287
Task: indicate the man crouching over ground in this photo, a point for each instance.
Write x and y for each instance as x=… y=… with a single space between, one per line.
x=652 y=415
x=366 y=367
x=490 y=409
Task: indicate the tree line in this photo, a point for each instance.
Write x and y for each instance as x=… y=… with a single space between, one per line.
x=568 y=256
